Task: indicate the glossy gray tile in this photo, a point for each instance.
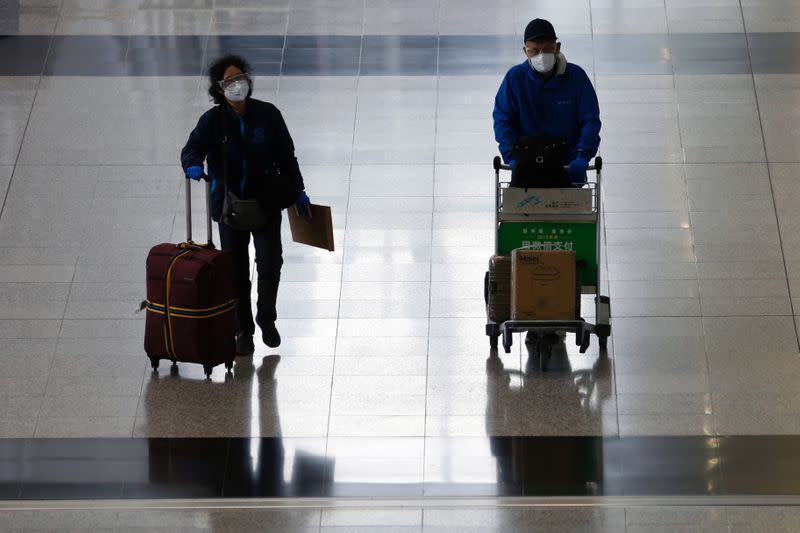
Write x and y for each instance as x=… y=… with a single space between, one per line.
x=102 y=35
x=25 y=55
x=725 y=53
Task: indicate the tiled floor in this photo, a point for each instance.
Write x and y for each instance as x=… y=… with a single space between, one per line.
x=408 y=520
x=385 y=371
x=389 y=106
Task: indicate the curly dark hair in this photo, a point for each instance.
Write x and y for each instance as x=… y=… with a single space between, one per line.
x=216 y=71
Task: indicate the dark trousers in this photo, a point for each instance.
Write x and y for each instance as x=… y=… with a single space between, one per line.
x=269 y=260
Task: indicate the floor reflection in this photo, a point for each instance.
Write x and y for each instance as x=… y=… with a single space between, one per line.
x=571 y=396
x=519 y=401
x=547 y=432
x=275 y=466
x=259 y=466
x=179 y=401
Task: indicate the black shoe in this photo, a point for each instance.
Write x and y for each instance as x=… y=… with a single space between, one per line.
x=270 y=335
x=244 y=344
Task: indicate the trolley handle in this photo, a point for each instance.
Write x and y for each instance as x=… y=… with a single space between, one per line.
x=498 y=164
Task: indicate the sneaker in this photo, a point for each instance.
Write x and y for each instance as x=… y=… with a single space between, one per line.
x=270 y=335
x=244 y=344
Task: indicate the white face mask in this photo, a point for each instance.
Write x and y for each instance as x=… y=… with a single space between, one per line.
x=237 y=91
x=543 y=63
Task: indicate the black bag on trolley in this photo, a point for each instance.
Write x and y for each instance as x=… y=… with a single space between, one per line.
x=539 y=163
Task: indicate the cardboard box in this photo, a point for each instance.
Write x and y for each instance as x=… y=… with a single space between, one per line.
x=316 y=231
x=580 y=237
x=542 y=285
x=542 y=201
x=499 y=288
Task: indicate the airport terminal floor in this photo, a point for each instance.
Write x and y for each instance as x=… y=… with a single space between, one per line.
x=384 y=408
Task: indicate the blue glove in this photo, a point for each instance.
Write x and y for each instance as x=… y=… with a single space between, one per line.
x=195 y=172
x=577 y=170
x=302 y=204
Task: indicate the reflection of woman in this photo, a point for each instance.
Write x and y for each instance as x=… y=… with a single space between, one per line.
x=257 y=466
x=249 y=153
x=259 y=470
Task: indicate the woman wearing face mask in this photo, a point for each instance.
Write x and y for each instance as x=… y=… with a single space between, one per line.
x=250 y=156
x=547 y=100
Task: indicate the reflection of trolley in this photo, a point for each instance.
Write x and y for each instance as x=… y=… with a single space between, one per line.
x=579 y=224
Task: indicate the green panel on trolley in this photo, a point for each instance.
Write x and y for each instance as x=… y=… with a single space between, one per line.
x=578 y=236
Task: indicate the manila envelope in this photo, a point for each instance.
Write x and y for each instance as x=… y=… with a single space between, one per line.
x=316 y=231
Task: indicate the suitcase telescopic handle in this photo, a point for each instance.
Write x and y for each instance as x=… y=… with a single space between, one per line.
x=209 y=241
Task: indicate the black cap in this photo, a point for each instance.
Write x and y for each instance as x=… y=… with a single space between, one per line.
x=538 y=29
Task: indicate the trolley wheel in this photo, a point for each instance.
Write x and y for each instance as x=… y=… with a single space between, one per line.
x=602 y=342
x=208 y=369
x=154 y=363
x=584 y=345
x=493 y=341
x=229 y=365
x=508 y=339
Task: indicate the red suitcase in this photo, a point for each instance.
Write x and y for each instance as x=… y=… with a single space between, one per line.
x=190 y=301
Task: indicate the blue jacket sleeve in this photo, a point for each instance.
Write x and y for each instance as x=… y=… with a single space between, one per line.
x=199 y=144
x=588 y=120
x=506 y=120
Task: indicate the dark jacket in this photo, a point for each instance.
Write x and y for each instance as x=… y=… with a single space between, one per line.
x=259 y=150
x=564 y=107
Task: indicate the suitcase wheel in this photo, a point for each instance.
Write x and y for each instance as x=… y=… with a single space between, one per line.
x=493 y=341
x=154 y=363
x=229 y=365
x=208 y=369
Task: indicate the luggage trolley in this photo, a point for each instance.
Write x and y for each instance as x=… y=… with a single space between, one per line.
x=546 y=225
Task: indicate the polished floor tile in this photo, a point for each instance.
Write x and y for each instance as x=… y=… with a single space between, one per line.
x=750 y=334
x=25 y=55
x=385 y=18
x=249 y=21
x=741 y=519
x=705 y=17
x=441 y=520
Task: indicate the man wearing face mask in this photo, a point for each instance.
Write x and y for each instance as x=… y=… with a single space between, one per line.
x=249 y=152
x=550 y=105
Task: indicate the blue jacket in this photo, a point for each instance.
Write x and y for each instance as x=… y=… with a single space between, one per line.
x=259 y=144
x=565 y=107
